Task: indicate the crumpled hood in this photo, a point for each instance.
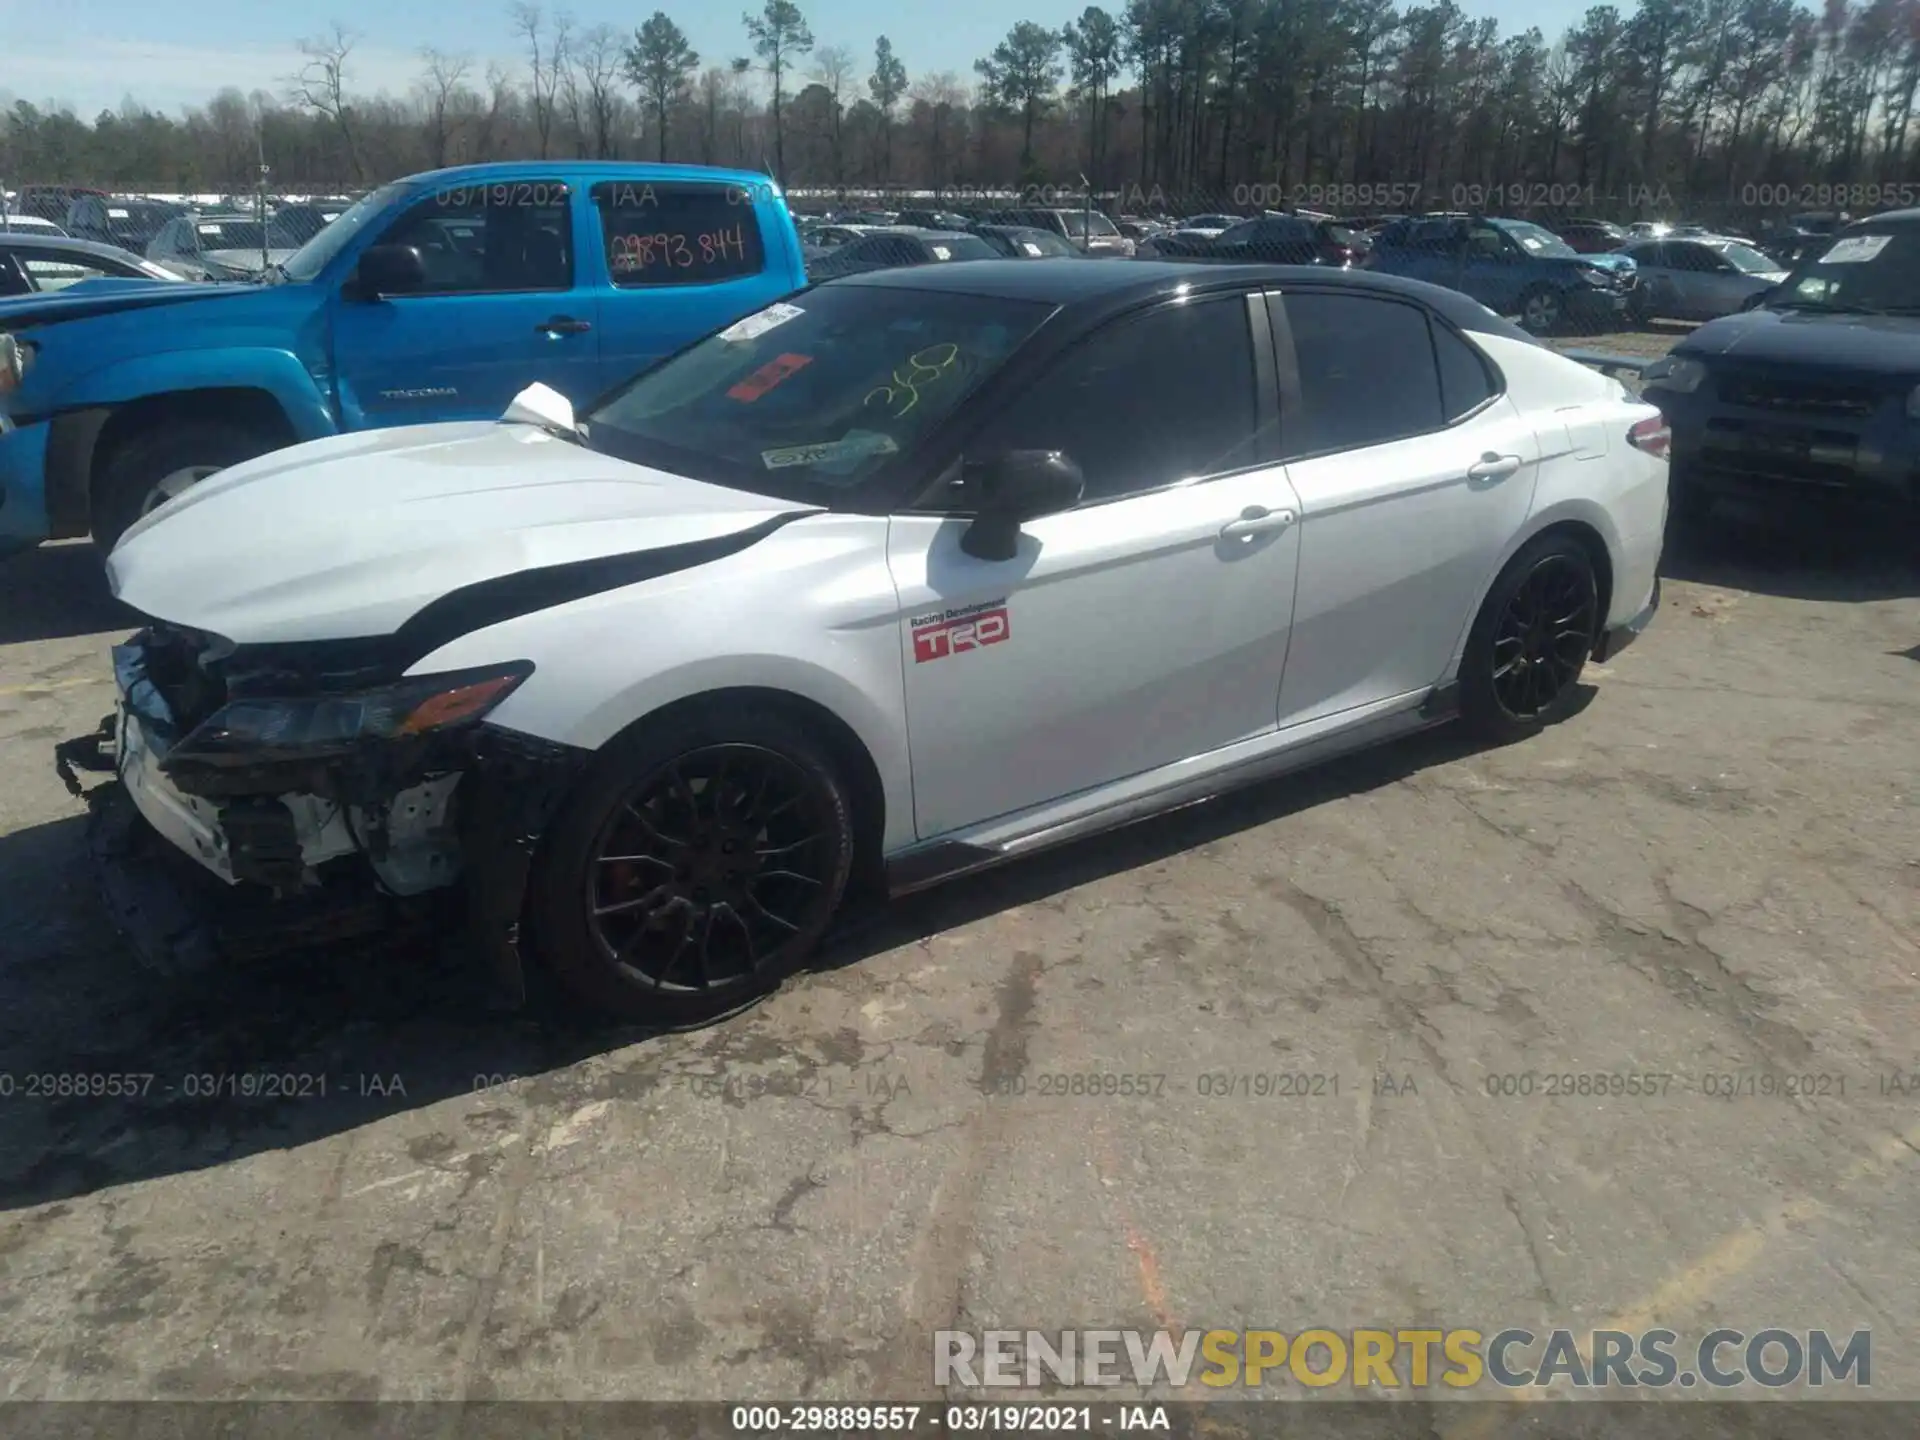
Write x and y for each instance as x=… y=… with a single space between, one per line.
x=350 y=536
x=1605 y=260
x=1881 y=345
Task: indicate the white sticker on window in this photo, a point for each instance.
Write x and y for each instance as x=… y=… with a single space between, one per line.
x=760 y=322
x=857 y=445
x=941 y=252
x=116 y=214
x=1029 y=247
x=209 y=229
x=1855 y=249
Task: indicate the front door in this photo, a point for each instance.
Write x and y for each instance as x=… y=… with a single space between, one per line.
x=1413 y=476
x=1145 y=626
x=499 y=311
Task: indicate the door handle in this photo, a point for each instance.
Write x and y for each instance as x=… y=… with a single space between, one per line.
x=1493 y=467
x=1256 y=520
x=563 y=325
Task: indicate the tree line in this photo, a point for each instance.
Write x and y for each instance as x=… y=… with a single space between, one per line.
x=1704 y=101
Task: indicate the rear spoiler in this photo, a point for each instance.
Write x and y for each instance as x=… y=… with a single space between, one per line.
x=1620 y=367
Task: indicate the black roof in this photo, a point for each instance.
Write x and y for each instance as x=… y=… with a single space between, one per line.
x=1115 y=284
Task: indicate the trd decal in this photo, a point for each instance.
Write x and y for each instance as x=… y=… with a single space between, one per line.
x=950 y=632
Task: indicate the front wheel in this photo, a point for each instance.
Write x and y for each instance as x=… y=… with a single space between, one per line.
x=154 y=467
x=1540 y=311
x=697 y=866
x=1530 y=641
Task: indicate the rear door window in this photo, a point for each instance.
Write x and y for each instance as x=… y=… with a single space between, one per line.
x=678 y=234
x=1368 y=373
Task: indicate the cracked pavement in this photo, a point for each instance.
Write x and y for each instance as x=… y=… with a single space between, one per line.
x=1710 y=873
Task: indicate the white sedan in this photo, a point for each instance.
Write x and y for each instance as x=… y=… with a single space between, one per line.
x=907 y=575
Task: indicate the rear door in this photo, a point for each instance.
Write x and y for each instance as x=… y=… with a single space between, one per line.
x=499 y=311
x=1143 y=627
x=677 y=261
x=1413 y=474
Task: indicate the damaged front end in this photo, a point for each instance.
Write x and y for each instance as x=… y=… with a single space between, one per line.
x=320 y=769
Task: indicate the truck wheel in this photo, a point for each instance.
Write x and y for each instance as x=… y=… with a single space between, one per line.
x=1540 y=310
x=154 y=466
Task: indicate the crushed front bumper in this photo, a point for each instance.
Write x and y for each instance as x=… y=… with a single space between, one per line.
x=321 y=847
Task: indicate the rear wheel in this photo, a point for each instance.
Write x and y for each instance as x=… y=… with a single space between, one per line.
x=157 y=465
x=696 y=867
x=1531 y=640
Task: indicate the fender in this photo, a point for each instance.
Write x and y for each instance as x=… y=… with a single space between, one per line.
x=875 y=730
x=82 y=410
x=1576 y=509
x=275 y=370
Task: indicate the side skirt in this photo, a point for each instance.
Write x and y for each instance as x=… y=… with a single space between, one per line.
x=923 y=866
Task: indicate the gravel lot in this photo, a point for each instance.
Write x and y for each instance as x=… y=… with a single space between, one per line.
x=1712 y=870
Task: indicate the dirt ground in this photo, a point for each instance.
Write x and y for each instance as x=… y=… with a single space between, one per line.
x=1711 y=872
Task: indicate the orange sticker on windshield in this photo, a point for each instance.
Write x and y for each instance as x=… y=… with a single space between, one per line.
x=768 y=376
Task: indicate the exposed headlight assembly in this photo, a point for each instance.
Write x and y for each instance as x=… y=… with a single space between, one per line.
x=252 y=730
x=1676 y=373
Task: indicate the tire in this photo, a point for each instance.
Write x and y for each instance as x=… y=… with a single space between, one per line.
x=698 y=950
x=1640 y=307
x=133 y=480
x=1541 y=311
x=1552 y=577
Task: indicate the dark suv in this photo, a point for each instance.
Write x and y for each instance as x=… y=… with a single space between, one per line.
x=1816 y=393
x=1087 y=230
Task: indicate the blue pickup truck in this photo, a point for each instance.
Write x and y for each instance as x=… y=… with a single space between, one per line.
x=1513 y=267
x=437 y=297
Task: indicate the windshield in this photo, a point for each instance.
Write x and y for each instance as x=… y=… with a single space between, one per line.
x=1863 y=272
x=1748 y=260
x=1079 y=222
x=810 y=397
x=313 y=257
x=230 y=234
x=291 y=229
x=1536 y=241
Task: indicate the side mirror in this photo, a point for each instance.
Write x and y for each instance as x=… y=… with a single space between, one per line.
x=1010 y=489
x=388 y=270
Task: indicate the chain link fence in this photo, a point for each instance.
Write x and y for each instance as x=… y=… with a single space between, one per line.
x=1564 y=260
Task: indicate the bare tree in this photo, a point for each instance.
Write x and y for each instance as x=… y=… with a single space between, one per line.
x=833 y=71
x=321 y=86
x=546 y=63
x=593 y=65
x=439 y=89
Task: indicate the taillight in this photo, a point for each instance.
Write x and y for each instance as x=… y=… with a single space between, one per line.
x=1651 y=437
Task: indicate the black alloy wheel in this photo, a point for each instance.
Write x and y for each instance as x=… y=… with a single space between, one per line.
x=1531 y=640
x=710 y=866
x=1543 y=636
x=695 y=868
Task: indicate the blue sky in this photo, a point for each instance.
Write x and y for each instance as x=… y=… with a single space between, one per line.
x=94 y=53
